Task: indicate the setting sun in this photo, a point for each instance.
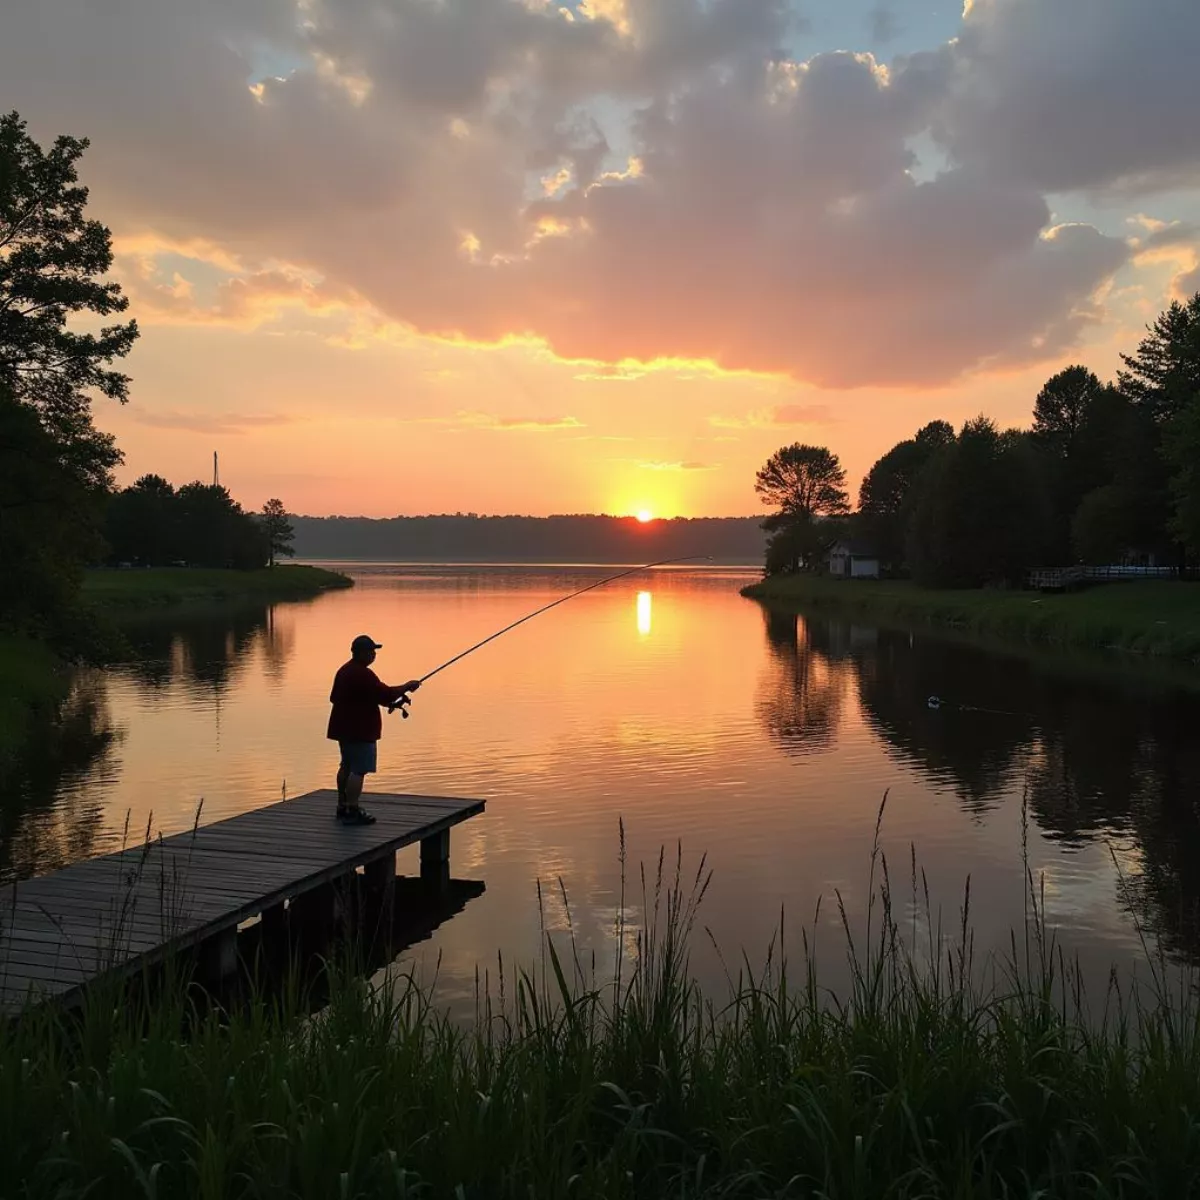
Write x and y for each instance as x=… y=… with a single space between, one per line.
x=644 y=515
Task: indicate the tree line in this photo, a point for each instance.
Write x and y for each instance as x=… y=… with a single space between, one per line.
x=150 y=524
x=59 y=508
x=1108 y=474
x=467 y=537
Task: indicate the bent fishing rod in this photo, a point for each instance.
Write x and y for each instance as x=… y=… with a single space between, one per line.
x=403 y=701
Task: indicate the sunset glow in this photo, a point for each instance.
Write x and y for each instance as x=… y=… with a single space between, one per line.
x=833 y=230
x=645 y=515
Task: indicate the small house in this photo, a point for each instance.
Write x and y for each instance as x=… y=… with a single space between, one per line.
x=852 y=559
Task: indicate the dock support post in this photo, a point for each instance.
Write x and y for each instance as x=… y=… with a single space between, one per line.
x=220 y=954
x=435 y=857
x=274 y=920
x=380 y=874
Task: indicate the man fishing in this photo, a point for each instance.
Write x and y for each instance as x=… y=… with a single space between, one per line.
x=355 y=723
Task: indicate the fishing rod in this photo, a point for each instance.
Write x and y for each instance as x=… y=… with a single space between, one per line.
x=663 y=562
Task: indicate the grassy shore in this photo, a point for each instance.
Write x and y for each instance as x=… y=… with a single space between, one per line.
x=921 y=1081
x=111 y=590
x=1156 y=617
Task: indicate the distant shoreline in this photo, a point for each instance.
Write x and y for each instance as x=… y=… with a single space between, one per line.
x=115 y=592
x=1155 y=618
x=598 y=564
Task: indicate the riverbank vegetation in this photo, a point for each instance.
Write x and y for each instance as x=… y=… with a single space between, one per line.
x=60 y=511
x=930 y=1076
x=1157 y=617
x=1106 y=475
x=112 y=591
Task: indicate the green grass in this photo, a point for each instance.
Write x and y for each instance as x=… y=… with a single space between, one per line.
x=161 y=586
x=922 y=1080
x=33 y=684
x=1156 y=617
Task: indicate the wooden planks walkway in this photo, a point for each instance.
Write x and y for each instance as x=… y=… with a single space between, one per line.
x=113 y=914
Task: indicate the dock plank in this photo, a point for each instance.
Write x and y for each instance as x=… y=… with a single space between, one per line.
x=112 y=913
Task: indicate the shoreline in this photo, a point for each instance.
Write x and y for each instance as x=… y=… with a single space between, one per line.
x=35 y=679
x=111 y=591
x=1153 y=619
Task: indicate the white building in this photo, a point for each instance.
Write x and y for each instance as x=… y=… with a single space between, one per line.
x=849 y=559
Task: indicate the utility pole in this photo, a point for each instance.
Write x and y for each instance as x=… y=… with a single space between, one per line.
x=216 y=472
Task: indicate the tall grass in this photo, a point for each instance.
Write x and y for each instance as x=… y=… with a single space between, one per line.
x=933 y=1075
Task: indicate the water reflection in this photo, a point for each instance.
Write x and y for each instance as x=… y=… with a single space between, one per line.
x=643 y=613
x=801 y=698
x=46 y=819
x=1095 y=763
x=978 y=736
x=762 y=739
x=209 y=649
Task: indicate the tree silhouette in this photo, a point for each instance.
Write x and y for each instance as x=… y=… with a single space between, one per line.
x=803 y=483
x=52 y=261
x=278 y=529
x=885 y=490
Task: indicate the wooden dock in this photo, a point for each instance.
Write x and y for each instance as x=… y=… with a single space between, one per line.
x=114 y=914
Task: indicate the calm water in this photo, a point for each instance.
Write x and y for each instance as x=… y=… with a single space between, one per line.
x=668 y=701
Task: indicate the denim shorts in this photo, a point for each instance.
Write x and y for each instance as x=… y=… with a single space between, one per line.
x=358 y=757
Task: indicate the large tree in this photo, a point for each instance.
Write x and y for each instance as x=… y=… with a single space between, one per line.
x=215 y=531
x=804 y=484
x=804 y=481
x=53 y=260
x=278 y=530
x=1182 y=448
x=49 y=526
x=143 y=523
x=1164 y=374
x=979 y=514
x=1163 y=380
x=887 y=485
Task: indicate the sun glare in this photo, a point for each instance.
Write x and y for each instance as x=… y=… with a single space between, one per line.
x=644 y=515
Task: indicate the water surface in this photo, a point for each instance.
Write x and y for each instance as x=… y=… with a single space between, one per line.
x=668 y=702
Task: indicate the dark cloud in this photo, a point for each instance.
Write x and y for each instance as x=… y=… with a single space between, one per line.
x=770 y=220
x=1075 y=94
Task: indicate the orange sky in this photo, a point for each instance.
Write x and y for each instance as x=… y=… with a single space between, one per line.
x=391 y=256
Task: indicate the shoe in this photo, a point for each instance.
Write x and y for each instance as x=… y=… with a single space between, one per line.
x=341 y=812
x=357 y=816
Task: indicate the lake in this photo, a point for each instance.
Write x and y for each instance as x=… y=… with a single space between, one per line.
x=671 y=704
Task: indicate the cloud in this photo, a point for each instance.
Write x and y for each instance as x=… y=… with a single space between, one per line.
x=205 y=422
x=781 y=414
x=678 y=466
x=1073 y=94
x=1184 y=286
x=245 y=300
x=714 y=201
x=479 y=420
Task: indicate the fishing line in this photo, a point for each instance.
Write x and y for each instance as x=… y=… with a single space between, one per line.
x=663 y=562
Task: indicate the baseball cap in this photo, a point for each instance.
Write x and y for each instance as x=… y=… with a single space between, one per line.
x=363 y=642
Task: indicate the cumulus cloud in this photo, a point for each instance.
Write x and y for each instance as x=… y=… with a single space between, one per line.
x=709 y=199
x=1073 y=94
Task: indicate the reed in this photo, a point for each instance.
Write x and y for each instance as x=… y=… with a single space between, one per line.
x=934 y=1074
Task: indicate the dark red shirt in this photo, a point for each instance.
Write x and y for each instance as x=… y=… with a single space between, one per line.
x=356 y=697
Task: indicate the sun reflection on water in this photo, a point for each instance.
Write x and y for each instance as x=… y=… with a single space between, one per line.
x=643 y=613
